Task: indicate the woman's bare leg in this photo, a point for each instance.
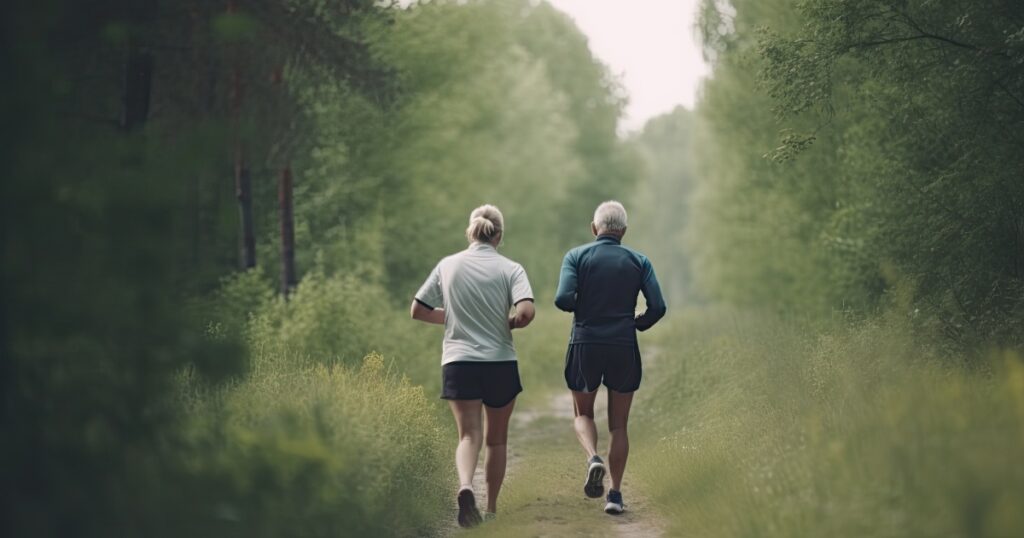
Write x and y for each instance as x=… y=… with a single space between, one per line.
x=497 y=450
x=468 y=420
x=618 y=417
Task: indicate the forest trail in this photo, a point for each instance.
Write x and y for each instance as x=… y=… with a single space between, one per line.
x=543 y=491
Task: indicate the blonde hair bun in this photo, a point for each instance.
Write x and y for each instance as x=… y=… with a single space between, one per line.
x=485 y=224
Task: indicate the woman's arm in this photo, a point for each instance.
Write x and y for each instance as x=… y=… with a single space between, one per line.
x=429 y=315
x=523 y=316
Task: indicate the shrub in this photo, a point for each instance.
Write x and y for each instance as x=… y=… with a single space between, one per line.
x=327 y=320
x=319 y=451
x=860 y=431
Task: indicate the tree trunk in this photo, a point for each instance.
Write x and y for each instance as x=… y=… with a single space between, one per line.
x=243 y=180
x=284 y=199
x=243 y=192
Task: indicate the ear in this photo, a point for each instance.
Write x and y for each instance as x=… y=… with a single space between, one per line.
x=623 y=233
x=593 y=229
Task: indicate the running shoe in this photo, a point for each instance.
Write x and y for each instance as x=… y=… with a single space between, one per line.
x=469 y=516
x=614 y=505
x=489 y=516
x=594 y=486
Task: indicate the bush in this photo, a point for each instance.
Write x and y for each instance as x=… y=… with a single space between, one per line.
x=317 y=439
x=328 y=319
x=762 y=430
x=319 y=451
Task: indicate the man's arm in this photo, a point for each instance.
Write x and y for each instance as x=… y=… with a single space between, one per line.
x=423 y=312
x=565 y=297
x=655 y=302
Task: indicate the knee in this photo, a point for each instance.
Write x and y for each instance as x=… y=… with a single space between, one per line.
x=495 y=439
x=585 y=413
x=617 y=430
x=472 y=436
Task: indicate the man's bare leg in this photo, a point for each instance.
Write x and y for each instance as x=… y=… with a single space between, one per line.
x=618 y=418
x=586 y=430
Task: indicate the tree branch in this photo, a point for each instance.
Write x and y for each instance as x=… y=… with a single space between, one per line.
x=1007 y=91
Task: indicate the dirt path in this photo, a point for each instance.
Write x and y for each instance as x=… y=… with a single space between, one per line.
x=543 y=491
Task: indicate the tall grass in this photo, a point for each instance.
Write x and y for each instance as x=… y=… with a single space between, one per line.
x=755 y=428
x=319 y=451
x=313 y=439
x=318 y=437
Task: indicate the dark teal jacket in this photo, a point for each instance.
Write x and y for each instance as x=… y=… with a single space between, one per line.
x=599 y=283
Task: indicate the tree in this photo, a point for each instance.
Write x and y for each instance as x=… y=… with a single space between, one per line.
x=890 y=157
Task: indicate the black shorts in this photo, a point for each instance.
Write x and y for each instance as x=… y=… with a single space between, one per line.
x=586 y=365
x=496 y=383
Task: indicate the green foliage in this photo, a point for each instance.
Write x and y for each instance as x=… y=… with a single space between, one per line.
x=487 y=113
x=229 y=310
x=659 y=214
x=337 y=319
x=540 y=350
x=234 y=27
x=897 y=160
x=318 y=451
x=761 y=429
x=92 y=324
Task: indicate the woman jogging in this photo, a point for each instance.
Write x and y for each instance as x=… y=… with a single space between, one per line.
x=472 y=294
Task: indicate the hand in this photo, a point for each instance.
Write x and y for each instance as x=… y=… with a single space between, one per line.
x=511 y=323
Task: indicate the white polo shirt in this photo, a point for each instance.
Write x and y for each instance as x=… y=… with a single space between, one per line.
x=477 y=289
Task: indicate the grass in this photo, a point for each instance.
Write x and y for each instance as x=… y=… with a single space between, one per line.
x=319 y=451
x=745 y=426
x=763 y=429
x=543 y=492
x=312 y=439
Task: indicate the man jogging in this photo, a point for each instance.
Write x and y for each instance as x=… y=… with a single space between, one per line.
x=599 y=283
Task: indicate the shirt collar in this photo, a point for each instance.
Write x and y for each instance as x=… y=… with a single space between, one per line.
x=480 y=245
x=609 y=239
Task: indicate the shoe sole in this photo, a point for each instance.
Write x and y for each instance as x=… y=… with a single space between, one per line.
x=613 y=509
x=469 y=516
x=594 y=487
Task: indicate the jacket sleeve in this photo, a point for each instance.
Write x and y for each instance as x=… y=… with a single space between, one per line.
x=565 y=297
x=656 y=306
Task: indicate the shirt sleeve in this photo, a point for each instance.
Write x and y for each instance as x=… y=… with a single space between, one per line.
x=652 y=293
x=565 y=297
x=430 y=294
x=521 y=289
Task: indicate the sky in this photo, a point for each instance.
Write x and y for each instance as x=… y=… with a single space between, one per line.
x=649 y=45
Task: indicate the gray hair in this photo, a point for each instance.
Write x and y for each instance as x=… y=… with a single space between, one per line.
x=610 y=217
x=485 y=223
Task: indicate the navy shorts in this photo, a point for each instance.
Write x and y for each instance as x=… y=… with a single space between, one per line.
x=496 y=383
x=587 y=365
